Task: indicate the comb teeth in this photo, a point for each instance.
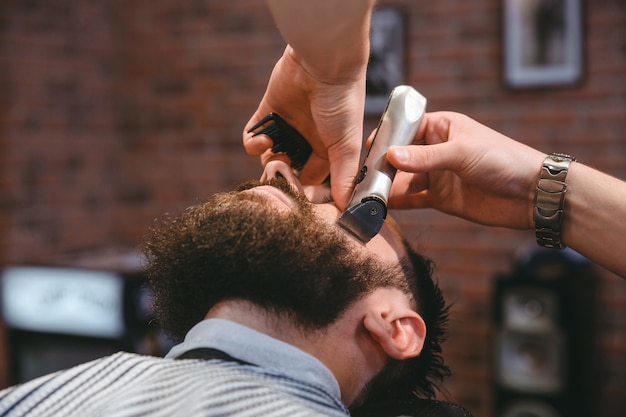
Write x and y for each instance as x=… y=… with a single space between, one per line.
x=286 y=139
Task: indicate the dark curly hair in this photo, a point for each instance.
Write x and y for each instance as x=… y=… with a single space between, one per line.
x=235 y=246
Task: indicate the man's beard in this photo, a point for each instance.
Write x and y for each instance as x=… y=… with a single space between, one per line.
x=395 y=380
x=239 y=246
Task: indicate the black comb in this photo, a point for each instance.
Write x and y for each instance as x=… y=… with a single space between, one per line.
x=286 y=139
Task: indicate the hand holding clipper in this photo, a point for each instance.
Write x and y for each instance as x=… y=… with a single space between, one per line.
x=367 y=209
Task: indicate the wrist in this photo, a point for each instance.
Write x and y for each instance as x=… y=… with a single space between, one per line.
x=337 y=52
x=331 y=72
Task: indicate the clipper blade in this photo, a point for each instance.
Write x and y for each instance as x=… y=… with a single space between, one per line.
x=364 y=220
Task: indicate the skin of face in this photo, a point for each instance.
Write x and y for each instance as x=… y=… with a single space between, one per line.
x=386 y=245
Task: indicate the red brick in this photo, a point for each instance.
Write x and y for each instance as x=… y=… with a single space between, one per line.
x=143 y=112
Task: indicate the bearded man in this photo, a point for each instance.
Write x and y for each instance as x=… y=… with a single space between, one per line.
x=280 y=312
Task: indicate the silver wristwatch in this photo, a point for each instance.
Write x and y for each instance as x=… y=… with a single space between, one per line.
x=549 y=200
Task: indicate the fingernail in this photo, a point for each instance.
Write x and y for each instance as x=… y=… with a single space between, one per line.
x=401 y=154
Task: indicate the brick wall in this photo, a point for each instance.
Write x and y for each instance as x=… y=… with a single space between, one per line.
x=60 y=150
x=113 y=112
x=455 y=61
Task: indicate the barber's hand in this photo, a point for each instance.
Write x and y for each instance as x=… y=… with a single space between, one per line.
x=464 y=168
x=328 y=114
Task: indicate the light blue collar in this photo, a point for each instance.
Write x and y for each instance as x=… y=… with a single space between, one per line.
x=251 y=346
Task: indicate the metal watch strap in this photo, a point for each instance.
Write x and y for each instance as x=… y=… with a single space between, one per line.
x=549 y=199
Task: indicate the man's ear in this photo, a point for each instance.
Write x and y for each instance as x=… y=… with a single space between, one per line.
x=399 y=330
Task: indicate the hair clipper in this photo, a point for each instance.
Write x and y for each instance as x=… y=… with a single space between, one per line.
x=367 y=208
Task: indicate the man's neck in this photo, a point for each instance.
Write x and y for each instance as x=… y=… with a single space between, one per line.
x=352 y=360
x=250 y=315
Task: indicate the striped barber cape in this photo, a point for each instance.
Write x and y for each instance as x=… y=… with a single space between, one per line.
x=126 y=384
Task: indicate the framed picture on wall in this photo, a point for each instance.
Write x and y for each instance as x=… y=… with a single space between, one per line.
x=385 y=69
x=543 y=45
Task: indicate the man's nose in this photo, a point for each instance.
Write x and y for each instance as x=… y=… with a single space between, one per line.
x=278 y=168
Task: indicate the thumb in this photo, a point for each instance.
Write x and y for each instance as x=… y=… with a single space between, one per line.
x=423 y=158
x=343 y=171
x=342 y=178
x=255 y=145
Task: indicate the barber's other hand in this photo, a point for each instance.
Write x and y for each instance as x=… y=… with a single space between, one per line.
x=464 y=168
x=328 y=114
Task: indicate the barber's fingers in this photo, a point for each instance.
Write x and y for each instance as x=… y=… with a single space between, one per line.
x=315 y=170
x=409 y=190
x=424 y=158
x=269 y=156
x=278 y=168
x=255 y=145
x=370 y=138
x=344 y=166
x=408 y=183
x=342 y=174
x=410 y=201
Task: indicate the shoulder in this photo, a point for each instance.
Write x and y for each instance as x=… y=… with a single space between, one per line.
x=77 y=382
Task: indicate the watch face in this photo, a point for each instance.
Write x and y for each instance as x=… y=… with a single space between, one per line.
x=63 y=300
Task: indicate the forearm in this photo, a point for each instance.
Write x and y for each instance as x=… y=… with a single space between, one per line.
x=594 y=221
x=331 y=37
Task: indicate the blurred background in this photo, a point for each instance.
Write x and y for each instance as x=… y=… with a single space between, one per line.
x=115 y=112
